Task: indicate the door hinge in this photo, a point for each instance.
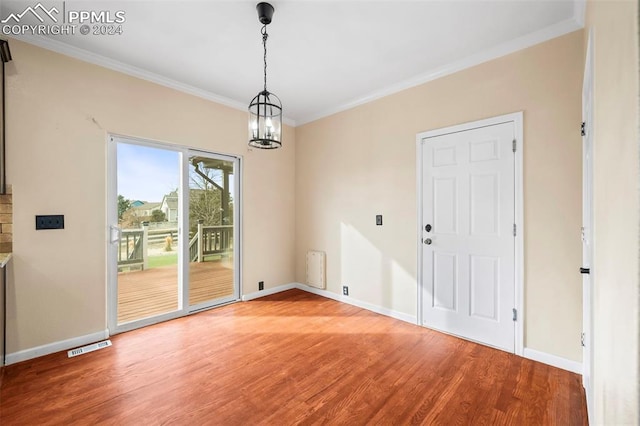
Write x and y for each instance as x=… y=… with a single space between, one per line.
x=514 y=145
x=582 y=339
x=583 y=130
x=514 y=229
x=515 y=314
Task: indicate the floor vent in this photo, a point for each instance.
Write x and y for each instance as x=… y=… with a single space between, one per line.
x=89 y=348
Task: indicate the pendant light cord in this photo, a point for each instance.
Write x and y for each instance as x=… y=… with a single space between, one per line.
x=264 y=43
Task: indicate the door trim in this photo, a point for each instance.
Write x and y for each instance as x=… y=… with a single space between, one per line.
x=112 y=217
x=517 y=119
x=587 y=148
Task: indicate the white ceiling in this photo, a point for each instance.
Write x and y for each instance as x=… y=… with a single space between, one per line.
x=324 y=56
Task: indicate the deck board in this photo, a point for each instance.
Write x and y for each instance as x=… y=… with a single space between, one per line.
x=142 y=294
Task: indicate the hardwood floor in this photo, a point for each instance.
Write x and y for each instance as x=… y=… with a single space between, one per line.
x=289 y=358
x=142 y=294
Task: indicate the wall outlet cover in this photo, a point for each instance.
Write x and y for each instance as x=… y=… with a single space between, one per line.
x=52 y=221
x=260 y=285
x=379 y=219
x=345 y=290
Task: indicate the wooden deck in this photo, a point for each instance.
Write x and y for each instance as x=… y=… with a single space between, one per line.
x=142 y=294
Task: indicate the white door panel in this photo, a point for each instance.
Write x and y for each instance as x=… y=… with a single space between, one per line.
x=445 y=281
x=484 y=282
x=468 y=267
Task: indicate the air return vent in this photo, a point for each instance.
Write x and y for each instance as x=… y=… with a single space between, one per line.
x=89 y=348
x=316 y=269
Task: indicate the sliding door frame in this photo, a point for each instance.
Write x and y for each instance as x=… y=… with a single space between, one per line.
x=237 y=206
x=184 y=308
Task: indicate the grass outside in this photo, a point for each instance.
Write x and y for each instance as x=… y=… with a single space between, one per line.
x=172 y=259
x=164 y=260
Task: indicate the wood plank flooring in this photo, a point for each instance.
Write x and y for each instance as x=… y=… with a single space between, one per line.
x=290 y=358
x=142 y=294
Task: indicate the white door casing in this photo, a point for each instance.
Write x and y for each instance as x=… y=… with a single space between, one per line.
x=468 y=258
x=587 y=226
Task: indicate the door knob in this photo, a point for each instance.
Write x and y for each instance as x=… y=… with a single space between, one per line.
x=428 y=241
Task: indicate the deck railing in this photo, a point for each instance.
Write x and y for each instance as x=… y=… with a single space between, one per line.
x=131 y=248
x=208 y=240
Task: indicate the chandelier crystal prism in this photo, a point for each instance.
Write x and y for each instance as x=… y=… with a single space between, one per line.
x=265 y=110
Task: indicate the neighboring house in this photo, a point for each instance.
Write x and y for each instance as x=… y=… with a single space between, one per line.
x=169 y=206
x=144 y=209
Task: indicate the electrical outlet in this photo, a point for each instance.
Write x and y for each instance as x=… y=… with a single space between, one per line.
x=260 y=285
x=55 y=221
x=379 y=219
x=345 y=290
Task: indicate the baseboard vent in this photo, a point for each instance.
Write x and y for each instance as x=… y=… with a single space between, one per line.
x=89 y=348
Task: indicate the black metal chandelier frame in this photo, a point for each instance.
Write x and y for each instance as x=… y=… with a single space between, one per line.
x=265 y=109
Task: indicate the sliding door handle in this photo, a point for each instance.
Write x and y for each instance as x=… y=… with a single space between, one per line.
x=585 y=271
x=115 y=234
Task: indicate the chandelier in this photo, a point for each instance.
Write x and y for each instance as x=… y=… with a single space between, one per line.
x=265 y=110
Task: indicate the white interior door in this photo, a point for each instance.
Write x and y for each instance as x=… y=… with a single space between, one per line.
x=587 y=222
x=468 y=251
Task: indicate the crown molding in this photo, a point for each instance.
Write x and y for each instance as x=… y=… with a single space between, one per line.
x=531 y=39
x=536 y=37
x=112 y=64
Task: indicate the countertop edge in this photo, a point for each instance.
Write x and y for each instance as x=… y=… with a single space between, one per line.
x=4 y=259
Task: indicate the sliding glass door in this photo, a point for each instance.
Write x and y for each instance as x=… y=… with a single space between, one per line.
x=211 y=230
x=173 y=238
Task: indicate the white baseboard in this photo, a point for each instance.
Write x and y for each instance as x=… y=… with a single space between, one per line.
x=54 y=347
x=553 y=360
x=267 y=292
x=330 y=295
x=543 y=357
x=360 y=304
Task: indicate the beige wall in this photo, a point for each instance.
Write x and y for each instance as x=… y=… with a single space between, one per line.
x=617 y=218
x=362 y=162
x=59 y=112
x=347 y=168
